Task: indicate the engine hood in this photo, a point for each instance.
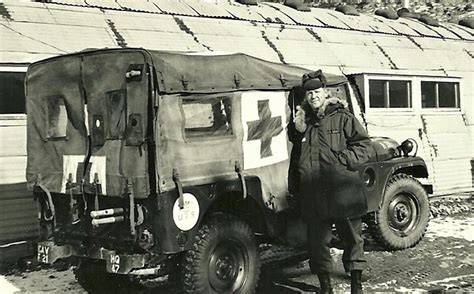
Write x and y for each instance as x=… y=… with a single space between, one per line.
x=385 y=148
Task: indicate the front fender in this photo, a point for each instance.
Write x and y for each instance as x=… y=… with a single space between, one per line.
x=384 y=170
x=415 y=166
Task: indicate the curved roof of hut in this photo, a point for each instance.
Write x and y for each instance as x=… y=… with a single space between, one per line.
x=321 y=38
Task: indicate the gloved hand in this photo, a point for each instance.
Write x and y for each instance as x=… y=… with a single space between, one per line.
x=299 y=120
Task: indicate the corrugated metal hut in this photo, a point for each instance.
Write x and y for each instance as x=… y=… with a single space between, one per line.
x=413 y=79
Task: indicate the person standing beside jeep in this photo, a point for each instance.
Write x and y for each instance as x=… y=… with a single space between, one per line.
x=331 y=144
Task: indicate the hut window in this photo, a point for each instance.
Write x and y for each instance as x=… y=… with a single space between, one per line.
x=207 y=117
x=439 y=94
x=12 y=93
x=389 y=94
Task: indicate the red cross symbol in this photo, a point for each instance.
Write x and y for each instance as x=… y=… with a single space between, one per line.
x=265 y=128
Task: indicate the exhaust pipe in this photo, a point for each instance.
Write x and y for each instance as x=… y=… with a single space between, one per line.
x=107 y=216
x=106 y=212
x=107 y=220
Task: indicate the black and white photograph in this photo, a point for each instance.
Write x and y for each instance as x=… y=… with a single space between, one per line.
x=236 y=146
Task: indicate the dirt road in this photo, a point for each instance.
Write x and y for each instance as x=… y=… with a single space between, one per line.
x=442 y=261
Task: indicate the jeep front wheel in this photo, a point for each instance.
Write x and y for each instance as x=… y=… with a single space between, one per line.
x=403 y=217
x=223 y=259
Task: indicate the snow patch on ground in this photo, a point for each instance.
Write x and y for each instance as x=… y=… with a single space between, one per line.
x=409 y=290
x=6 y=287
x=450 y=279
x=459 y=227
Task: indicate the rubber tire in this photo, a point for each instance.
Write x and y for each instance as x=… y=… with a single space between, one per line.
x=93 y=277
x=378 y=222
x=216 y=231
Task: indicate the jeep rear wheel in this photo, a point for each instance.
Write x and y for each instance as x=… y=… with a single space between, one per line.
x=403 y=218
x=224 y=258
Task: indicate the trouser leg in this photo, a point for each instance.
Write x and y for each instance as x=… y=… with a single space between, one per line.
x=350 y=231
x=325 y=283
x=356 y=282
x=319 y=238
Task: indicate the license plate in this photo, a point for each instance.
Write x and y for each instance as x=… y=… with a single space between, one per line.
x=43 y=253
x=114 y=264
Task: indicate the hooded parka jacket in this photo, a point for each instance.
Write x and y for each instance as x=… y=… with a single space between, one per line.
x=332 y=148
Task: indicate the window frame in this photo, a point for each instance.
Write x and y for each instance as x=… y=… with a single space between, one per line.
x=232 y=135
x=416 y=103
x=458 y=87
x=14 y=68
x=386 y=79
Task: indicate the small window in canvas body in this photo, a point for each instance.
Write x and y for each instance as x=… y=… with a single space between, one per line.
x=57 y=119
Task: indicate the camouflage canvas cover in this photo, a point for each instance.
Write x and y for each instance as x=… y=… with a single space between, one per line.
x=126 y=118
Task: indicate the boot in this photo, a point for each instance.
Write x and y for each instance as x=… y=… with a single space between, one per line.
x=356 y=282
x=325 y=283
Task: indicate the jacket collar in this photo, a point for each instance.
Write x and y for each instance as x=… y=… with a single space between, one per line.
x=331 y=105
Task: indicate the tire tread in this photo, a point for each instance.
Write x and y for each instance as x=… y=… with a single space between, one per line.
x=190 y=268
x=379 y=233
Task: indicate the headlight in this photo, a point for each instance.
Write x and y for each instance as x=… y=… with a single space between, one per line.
x=368 y=177
x=407 y=146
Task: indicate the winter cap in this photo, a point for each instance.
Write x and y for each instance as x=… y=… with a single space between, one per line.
x=314 y=80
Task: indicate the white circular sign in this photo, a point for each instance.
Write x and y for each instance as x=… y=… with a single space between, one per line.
x=186 y=218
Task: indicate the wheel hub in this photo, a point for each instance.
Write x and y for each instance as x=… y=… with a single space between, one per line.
x=225 y=266
x=403 y=212
x=227 y=270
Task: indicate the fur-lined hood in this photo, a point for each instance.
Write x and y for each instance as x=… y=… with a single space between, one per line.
x=331 y=104
x=306 y=115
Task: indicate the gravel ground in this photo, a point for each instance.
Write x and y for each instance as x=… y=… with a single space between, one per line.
x=442 y=261
x=448 y=205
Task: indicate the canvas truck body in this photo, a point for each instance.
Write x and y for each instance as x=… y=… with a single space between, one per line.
x=134 y=154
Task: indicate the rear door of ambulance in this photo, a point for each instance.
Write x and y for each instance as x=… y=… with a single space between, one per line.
x=87 y=119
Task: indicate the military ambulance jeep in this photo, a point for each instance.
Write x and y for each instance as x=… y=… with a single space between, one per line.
x=143 y=160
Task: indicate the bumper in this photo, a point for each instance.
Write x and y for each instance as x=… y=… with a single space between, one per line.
x=48 y=252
